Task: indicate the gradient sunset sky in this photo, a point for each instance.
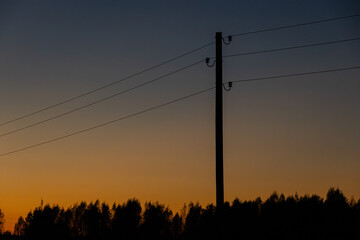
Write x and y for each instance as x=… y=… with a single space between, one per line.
x=298 y=134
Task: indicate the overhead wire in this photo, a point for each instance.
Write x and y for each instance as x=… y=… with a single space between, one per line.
x=101 y=100
x=293 y=47
x=295 y=25
x=296 y=74
x=177 y=100
x=170 y=60
x=173 y=59
x=107 y=123
x=106 y=85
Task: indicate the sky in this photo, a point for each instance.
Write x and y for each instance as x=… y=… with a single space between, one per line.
x=291 y=135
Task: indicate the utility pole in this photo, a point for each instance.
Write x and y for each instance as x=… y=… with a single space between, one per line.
x=219 y=123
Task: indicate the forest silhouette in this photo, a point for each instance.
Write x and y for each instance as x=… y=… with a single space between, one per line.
x=278 y=217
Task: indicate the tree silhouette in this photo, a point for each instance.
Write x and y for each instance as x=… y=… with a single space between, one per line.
x=78 y=226
x=97 y=220
x=20 y=227
x=278 y=217
x=192 y=221
x=177 y=226
x=356 y=219
x=156 y=222
x=126 y=220
x=46 y=223
x=1 y=221
x=337 y=215
x=209 y=222
x=244 y=218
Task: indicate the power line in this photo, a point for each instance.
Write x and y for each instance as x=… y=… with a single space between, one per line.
x=170 y=60
x=296 y=74
x=294 y=47
x=295 y=25
x=241 y=80
x=107 y=85
x=101 y=100
x=107 y=123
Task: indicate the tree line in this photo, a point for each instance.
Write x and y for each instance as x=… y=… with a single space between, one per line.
x=278 y=217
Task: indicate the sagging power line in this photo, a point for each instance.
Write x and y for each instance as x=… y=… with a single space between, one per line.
x=173 y=59
x=296 y=74
x=101 y=100
x=295 y=25
x=106 y=85
x=233 y=55
x=178 y=70
x=235 y=81
x=107 y=123
x=292 y=47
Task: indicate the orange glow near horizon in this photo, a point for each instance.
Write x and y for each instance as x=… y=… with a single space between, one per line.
x=173 y=173
x=172 y=161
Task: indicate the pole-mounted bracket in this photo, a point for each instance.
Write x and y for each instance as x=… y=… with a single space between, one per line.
x=229 y=86
x=229 y=39
x=207 y=61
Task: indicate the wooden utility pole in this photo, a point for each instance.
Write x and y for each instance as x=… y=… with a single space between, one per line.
x=219 y=124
